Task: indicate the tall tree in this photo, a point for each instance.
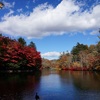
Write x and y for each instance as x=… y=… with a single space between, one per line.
x=79 y=47
x=32 y=45
x=22 y=41
x=0 y=34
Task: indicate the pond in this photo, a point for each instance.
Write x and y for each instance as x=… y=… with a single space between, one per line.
x=51 y=85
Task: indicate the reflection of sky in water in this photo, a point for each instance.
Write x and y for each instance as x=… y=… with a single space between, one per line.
x=51 y=85
x=50 y=82
x=64 y=85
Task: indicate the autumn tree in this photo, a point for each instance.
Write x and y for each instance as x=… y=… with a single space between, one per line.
x=15 y=56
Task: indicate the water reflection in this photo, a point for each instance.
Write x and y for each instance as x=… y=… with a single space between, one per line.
x=86 y=80
x=16 y=86
x=85 y=85
x=51 y=85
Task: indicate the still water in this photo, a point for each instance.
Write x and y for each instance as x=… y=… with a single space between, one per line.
x=51 y=85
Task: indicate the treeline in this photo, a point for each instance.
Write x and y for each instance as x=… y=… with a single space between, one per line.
x=17 y=55
x=81 y=57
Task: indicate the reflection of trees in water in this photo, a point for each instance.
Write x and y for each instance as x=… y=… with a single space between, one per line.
x=83 y=80
x=47 y=71
x=86 y=80
x=66 y=76
x=13 y=87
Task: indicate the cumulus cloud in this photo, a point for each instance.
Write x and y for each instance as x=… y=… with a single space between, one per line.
x=51 y=55
x=47 y=20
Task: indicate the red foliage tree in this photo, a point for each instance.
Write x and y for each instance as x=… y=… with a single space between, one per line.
x=14 y=55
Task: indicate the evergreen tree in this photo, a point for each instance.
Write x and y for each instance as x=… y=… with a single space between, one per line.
x=79 y=47
x=32 y=45
x=22 y=41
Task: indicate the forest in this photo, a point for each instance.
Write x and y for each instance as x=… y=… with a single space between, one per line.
x=15 y=55
x=81 y=57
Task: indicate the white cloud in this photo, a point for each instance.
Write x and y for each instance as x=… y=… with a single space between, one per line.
x=94 y=32
x=27 y=7
x=9 y=5
x=34 y=1
x=46 y=20
x=20 y=10
x=8 y=14
x=51 y=55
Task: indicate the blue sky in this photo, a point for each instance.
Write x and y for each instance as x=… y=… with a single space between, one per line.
x=55 y=26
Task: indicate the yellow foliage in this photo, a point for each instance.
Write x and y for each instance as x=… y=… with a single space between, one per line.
x=76 y=64
x=97 y=67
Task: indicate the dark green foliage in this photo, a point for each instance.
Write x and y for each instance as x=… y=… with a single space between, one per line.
x=32 y=45
x=22 y=41
x=0 y=34
x=79 y=47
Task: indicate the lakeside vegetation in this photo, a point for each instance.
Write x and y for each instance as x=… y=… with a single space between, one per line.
x=81 y=57
x=16 y=56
